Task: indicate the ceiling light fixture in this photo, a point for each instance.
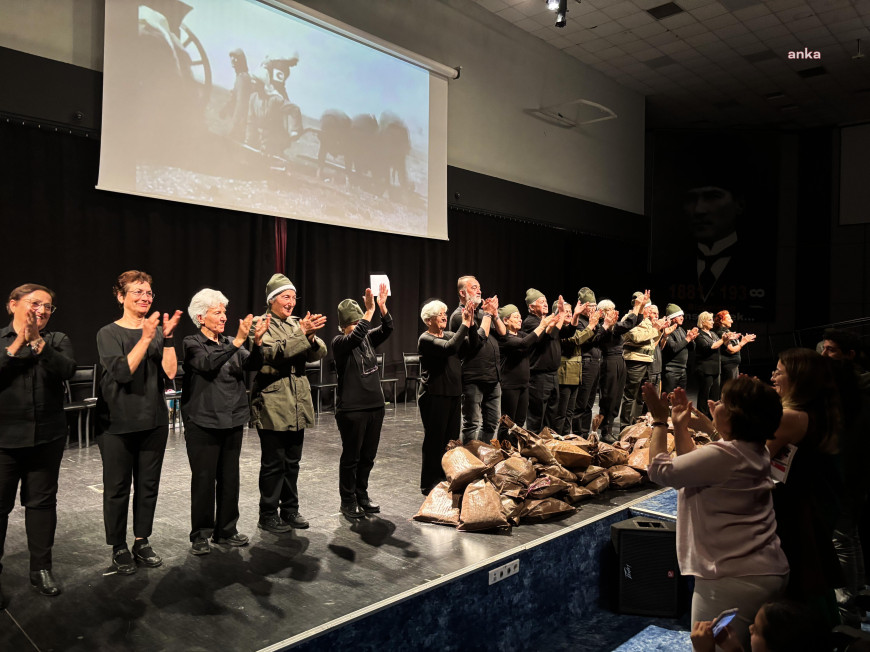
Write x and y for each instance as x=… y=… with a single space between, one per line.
x=562 y=13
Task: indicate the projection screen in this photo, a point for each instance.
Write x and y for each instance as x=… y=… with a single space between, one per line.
x=243 y=105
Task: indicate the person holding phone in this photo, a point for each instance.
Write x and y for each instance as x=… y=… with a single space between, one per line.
x=726 y=529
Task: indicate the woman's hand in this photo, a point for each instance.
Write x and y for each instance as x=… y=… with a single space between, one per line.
x=383 y=293
x=594 y=318
x=244 y=329
x=700 y=422
x=702 y=636
x=657 y=403
x=149 y=327
x=31 y=327
x=681 y=409
x=468 y=314
x=260 y=328
x=311 y=323
x=692 y=334
x=169 y=323
x=369 y=300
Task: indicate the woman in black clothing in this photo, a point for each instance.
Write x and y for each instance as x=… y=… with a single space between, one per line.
x=34 y=363
x=729 y=352
x=136 y=357
x=707 y=366
x=359 y=411
x=515 y=350
x=214 y=406
x=440 y=388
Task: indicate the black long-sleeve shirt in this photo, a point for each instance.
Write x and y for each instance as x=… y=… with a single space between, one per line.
x=356 y=365
x=130 y=402
x=480 y=364
x=31 y=390
x=610 y=339
x=547 y=352
x=676 y=349
x=515 y=352
x=214 y=393
x=725 y=356
x=706 y=357
x=589 y=349
x=440 y=369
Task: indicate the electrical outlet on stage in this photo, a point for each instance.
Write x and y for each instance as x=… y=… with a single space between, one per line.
x=500 y=573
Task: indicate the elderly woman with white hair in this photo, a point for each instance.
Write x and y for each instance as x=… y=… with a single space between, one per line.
x=440 y=389
x=214 y=406
x=707 y=361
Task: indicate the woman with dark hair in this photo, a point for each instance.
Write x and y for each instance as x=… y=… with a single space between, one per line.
x=440 y=388
x=807 y=503
x=726 y=529
x=34 y=363
x=136 y=357
x=214 y=406
x=359 y=411
x=729 y=352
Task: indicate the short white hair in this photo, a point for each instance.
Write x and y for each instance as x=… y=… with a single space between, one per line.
x=432 y=309
x=202 y=301
x=606 y=304
x=704 y=316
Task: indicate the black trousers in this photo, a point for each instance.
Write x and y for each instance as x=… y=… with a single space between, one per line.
x=213 y=454
x=729 y=371
x=515 y=404
x=673 y=377
x=360 y=435
x=586 y=392
x=636 y=374
x=543 y=401
x=708 y=388
x=37 y=469
x=565 y=411
x=136 y=457
x=280 y=454
x=441 y=420
x=611 y=382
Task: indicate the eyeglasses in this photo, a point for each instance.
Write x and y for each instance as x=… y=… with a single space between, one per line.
x=138 y=293
x=48 y=308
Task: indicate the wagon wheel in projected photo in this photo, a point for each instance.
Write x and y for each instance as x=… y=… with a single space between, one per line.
x=200 y=68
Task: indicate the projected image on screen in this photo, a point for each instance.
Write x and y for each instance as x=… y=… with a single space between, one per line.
x=239 y=105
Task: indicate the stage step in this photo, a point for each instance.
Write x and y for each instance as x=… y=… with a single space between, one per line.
x=657 y=639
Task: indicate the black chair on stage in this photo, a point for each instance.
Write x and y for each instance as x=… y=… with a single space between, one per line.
x=80 y=398
x=173 y=399
x=314 y=371
x=411 y=362
x=387 y=381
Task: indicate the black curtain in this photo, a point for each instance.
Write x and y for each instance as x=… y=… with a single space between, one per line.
x=61 y=232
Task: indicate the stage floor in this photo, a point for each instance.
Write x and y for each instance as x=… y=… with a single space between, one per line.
x=276 y=588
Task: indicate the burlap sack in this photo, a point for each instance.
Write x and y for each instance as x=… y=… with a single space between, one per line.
x=545 y=486
x=557 y=471
x=569 y=455
x=581 y=442
x=634 y=432
x=486 y=453
x=575 y=494
x=440 y=507
x=481 y=508
x=622 y=477
x=644 y=443
x=639 y=459
x=599 y=484
x=461 y=467
x=608 y=456
x=541 y=510
x=513 y=476
x=511 y=508
x=591 y=473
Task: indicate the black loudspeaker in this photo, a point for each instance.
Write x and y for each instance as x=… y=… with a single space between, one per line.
x=649 y=581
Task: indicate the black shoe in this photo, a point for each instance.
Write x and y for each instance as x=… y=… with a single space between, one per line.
x=2 y=598
x=122 y=562
x=235 y=540
x=273 y=523
x=145 y=555
x=200 y=547
x=351 y=510
x=295 y=520
x=43 y=583
x=368 y=506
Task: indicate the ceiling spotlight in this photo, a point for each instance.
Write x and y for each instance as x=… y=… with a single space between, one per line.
x=552 y=5
x=562 y=13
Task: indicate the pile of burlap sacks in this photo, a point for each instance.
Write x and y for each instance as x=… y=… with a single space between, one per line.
x=496 y=485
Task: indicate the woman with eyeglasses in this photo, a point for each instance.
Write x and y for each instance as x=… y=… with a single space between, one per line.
x=34 y=363
x=137 y=356
x=359 y=411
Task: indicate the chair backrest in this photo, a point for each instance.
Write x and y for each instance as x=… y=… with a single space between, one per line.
x=411 y=362
x=380 y=358
x=314 y=371
x=82 y=385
